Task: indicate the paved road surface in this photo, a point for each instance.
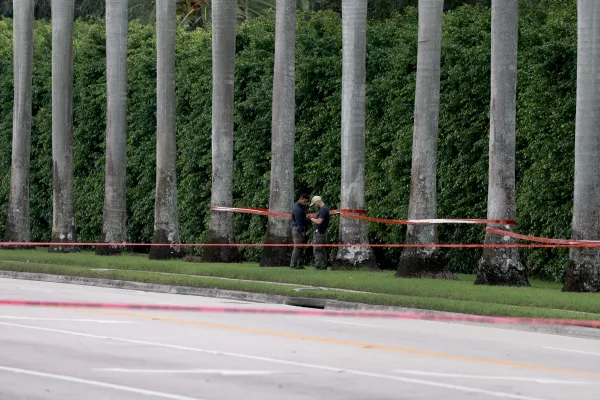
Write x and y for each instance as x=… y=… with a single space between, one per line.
x=104 y=354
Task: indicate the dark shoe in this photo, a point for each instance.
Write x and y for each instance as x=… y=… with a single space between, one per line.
x=297 y=267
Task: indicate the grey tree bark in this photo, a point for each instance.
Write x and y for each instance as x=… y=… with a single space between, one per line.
x=354 y=51
x=166 y=221
x=583 y=270
x=63 y=216
x=17 y=219
x=114 y=218
x=221 y=228
x=425 y=262
x=502 y=266
x=281 y=194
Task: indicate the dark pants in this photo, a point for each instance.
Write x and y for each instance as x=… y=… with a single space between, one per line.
x=320 y=252
x=298 y=252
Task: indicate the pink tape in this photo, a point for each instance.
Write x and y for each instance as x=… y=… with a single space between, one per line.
x=358 y=214
x=306 y=312
x=556 y=242
x=380 y=245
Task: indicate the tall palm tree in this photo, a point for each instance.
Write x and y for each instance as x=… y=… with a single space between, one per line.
x=166 y=221
x=281 y=195
x=354 y=51
x=502 y=266
x=114 y=224
x=221 y=230
x=17 y=219
x=426 y=262
x=63 y=216
x=583 y=271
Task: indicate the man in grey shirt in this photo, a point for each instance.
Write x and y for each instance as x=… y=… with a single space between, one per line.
x=321 y=222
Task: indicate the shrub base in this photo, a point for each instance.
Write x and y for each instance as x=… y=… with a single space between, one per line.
x=276 y=256
x=163 y=252
x=583 y=274
x=220 y=254
x=501 y=267
x=355 y=258
x=419 y=263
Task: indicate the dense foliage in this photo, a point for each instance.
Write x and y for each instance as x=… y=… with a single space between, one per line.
x=546 y=114
x=140 y=9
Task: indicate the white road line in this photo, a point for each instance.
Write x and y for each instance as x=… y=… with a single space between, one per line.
x=284 y=362
x=95 y=383
x=353 y=323
x=225 y=372
x=37 y=290
x=495 y=377
x=590 y=353
x=98 y=321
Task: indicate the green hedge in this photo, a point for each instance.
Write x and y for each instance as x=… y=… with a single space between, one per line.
x=547 y=77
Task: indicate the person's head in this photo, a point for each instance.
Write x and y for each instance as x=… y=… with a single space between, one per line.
x=303 y=199
x=317 y=201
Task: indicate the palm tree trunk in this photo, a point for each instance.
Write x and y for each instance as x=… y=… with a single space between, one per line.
x=114 y=224
x=17 y=219
x=354 y=50
x=583 y=271
x=501 y=266
x=221 y=229
x=426 y=262
x=281 y=195
x=63 y=218
x=166 y=222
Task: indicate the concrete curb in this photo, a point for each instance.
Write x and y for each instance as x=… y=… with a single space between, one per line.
x=588 y=333
x=574 y=331
x=147 y=287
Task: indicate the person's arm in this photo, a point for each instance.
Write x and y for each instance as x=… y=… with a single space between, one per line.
x=299 y=216
x=319 y=218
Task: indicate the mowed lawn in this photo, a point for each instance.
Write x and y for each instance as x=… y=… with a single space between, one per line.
x=543 y=299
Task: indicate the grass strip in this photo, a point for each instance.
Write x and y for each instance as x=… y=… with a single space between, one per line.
x=438 y=304
x=540 y=295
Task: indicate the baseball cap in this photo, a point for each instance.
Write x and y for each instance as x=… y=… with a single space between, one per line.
x=315 y=199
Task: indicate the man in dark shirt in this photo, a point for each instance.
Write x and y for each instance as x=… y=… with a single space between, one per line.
x=321 y=222
x=299 y=223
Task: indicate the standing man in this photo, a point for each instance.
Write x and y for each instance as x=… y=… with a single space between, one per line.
x=321 y=222
x=299 y=230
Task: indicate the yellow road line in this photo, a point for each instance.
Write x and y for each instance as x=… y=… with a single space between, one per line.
x=343 y=342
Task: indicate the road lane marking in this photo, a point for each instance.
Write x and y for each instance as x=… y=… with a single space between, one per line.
x=342 y=342
x=494 y=377
x=590 y=353
x=224 y=372
x=37 y=290
x=353 y=323
x=96 y=383
x=284 y=362
x=98 y=321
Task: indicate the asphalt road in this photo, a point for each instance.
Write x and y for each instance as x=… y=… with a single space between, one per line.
x=106 y=354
